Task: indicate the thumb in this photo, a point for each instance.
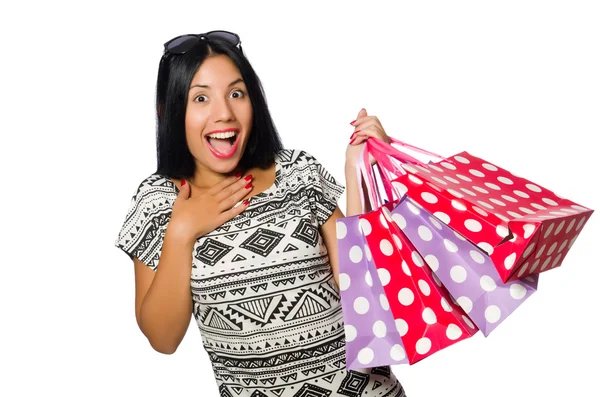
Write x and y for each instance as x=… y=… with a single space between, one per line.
x=362 y=113
x=184 y=190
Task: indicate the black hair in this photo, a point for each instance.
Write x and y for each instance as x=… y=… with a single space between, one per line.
x=175 y=74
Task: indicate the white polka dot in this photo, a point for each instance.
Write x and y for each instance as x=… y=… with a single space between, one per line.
x=356 y=254
x=509 y=262
x=477 y=257
x=473 y=225
x=459 y=236
x=397 y=241
x=464 y=178
x=514 y=214
x=379 y=329
x=406 y=296
x=414 y=179
x=458 y=205
x=429 y=316
x=563 y=245
x=537 y=207
x=429 y=198
x=465 y=303
x=501 y=231
x=344 y=281
x=521 y=194
x=361 y=305
x=413 y=208
x=550 y=202
x=422 y=169
x=405 y=268
x=450 y=246
x=528 y=230
x=498 y=202
x=383 y=301
x=458 y=274
x=505 y=180
x=523 y=269
x=365 y=356
x=480 y=189
x=546 y=263
x=509 y=198
x=341 y=230
x=350 y=332
x=365 y=226
x=487 y=283
x=552 y=248
x=369 y=279
x=517 y=291
x=556 y=260
x=386 y=247
x=537 y=262
x=436 y=279
x=450 y=179
x=492 y=186
x=438 y=180
x=461 y=159
x=470 y=193
x=486 y=205
x=387 y=214
x=526 y=210
x=468 y=321
x=540 y=251
x=435 y=167
x=579 y=207
x=570 y=225
x=448 y=165
x=479 y=211
x=559 y=213
x=400 y=221
x=424 y=287
x=432 y=262
x=533 y=188
x=368 y=253
x=401 y=326
x=492 y=314
x=383 y=221
x=400 y=188
x=425 y=233
x=528 y=250
x=435 y=222
x=505 y=219
x=453 y=332
x=416 y=258
x=409 y=168
x=455 y=193
x=397 y=353
x=486 y=247
x=477 y=173
x=549 y=230
x=489 y=167
x=442 y=217
x=423 y=345
x=445 y=305
x=580 y=224
x=384 y=276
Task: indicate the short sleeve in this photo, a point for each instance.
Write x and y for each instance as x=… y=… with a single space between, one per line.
x=324 y=190
x=145 y=224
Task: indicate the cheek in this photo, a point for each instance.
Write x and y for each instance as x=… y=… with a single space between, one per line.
x=195 y=122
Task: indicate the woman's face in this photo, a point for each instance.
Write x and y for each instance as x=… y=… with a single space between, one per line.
x=218 y=116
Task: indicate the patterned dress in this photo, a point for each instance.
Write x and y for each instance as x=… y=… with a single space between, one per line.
x=263 y=291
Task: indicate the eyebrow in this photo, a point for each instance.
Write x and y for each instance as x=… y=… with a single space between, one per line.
x=240 y=80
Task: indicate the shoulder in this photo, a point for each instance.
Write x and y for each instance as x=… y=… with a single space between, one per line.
x=154 y=197
x=296 y=158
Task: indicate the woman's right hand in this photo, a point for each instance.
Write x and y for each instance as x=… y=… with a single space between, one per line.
x=197 y=215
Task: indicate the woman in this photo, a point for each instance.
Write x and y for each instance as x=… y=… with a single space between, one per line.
x=252 y=223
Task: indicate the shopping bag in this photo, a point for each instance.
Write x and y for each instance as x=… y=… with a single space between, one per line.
x=371 y=335
x=523 y=227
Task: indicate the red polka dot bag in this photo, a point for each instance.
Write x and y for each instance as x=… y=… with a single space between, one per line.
x=525 y=229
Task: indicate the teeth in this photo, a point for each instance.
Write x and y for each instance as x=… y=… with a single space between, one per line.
x=223 y=135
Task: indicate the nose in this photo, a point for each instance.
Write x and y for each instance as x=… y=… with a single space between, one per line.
x=222 y=110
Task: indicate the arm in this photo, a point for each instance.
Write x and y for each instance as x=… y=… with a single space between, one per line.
x=163 y=301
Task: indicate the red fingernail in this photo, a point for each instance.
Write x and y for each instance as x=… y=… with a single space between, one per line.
x=248 y=186
x=239 y=174
x=246 y=202
x=248 y=177
x=352 y=123
x=183 y=182
x=352 y=141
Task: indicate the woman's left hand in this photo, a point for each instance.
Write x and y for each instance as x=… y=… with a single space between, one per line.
x=365 y=127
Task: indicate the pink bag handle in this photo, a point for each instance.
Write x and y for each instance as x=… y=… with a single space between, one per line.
x=365 y=172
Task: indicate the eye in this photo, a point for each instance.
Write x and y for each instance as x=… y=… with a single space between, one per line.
x=238 y=94
x=200 y=98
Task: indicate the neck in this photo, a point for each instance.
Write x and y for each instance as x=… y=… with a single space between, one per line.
x=205 y=178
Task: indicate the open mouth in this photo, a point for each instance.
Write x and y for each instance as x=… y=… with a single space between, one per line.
x=223 y=143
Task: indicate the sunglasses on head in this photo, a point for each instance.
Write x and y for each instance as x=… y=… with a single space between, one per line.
x=184 y=43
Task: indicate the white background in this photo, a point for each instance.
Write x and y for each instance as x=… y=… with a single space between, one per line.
x=514 y=82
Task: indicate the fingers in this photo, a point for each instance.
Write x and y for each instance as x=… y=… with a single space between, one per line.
x=184 y=191
x=233 y=212
x=238 y=189
x=225 y=183
x=233 y=199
